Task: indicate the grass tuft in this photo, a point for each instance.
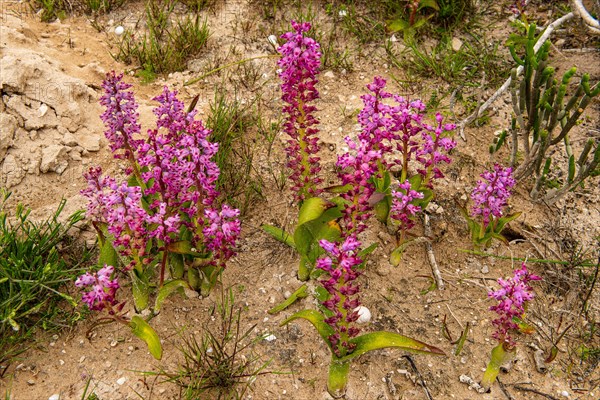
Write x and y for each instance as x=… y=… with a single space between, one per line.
x=222 y=362
x=231 y=124
x=167 y=45
x=37 y=260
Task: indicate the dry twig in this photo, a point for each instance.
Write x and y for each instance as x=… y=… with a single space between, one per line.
x=590 y=23
x=430 y=256
x=421 y=380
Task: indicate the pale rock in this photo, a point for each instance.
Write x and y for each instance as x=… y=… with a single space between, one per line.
x=54 y=159
x=8 y=127
x=43 y=109
x=329 y=75
x=121 y=381
x=34 y=162
x=270 y=338
x=69 y=140
x=89 y=141
x=54 y=397
x=456 y=44
x=12 y=173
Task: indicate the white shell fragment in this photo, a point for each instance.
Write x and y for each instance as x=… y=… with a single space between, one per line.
x=364 y=315
x=119 y=30
x=270 y=338
x=273 y=40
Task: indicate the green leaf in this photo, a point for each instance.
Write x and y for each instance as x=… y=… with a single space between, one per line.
x=185 y=247
x=209 y=275
x=398 y=25
x=166 y=290
x=429 y=4
x=502 y=221
x=365 y=252
x=141 y=329
x=339 y=188
x=312 y=209
x=315 y=318
x=108 y=255
x=396 y=255
x=381 y=340
x=382 y=209
x=176 y=265
x=279 y=234
x=193 y=276
x=499 y=357
x=141 y=290
x=571 y=169
x=461 y=341
x=298 y=294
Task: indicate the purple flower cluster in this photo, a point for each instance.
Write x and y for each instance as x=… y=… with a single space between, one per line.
x=491 y=194
x=102 y=293
x=511 y=296
x=177 y=168
x=399 y=132
x=120 y=117
x=402 y=208
x=517 y=7
x=175 y=179
x=429 y=154
x=340 y=265
x=356 y=171
x=221 y=232
x=300 y=62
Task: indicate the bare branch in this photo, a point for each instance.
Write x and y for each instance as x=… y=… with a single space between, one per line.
x=592 y=24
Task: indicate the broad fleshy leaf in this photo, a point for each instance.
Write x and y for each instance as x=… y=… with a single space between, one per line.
x=176 y=265
x=315 y=318
x=141 y=329
x=381 y=340
x=108 y=255
x=166 y=290
x=141 y=290
x=300 y=293
x=279 y=234
x=312 y=209
x=185 y=247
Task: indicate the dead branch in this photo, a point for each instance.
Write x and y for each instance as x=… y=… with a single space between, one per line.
x=430 y=256
x=590 y=23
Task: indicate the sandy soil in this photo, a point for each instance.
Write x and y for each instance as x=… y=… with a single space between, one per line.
x=64 y=63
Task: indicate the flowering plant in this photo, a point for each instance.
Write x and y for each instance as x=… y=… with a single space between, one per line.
x=300 y=63
x=163 y=215
x=338 y=321
x=405 y=141
x=490 y=196
x=512 y=297
x=392 y=136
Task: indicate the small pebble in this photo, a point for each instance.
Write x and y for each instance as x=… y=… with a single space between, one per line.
x=564 y=393
x=121 y=381
x=54 y=397
x=113 y=343
x=82 y=359
x=270 y=338
x=61 y=362
x=31 y=382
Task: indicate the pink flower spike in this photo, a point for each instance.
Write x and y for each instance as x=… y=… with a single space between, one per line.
x=103 y=289
x=512 y=297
